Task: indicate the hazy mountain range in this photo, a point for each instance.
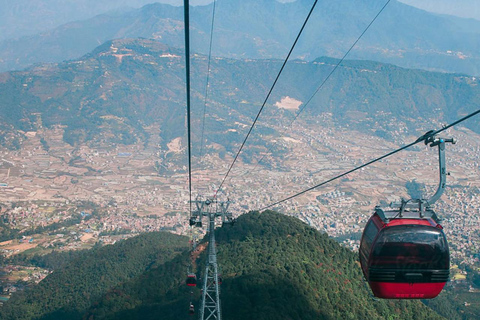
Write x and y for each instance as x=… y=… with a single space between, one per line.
x=23 y=17
x=402 y=35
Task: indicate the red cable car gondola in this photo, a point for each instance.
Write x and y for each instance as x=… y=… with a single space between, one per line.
x=191 y=280
x=403 y=252
x=404 y=256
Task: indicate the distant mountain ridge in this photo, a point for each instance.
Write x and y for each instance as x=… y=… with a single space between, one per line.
x=124 y=86
x=460 y=8
x=402 y=35
x=24 y=17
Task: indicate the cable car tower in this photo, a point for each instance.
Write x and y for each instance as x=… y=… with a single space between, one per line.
x=210 y=305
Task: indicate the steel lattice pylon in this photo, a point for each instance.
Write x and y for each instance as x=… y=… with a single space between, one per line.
x=210 y=307
x=210 y=304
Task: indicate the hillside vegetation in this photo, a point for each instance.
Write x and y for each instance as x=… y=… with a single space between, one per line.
x=274 y=267
x=71 y=289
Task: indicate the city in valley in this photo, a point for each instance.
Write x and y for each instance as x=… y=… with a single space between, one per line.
x=57 y=197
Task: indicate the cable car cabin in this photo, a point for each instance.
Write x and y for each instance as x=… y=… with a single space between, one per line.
x=404 y=256
x=191 y=280
x=197 y=222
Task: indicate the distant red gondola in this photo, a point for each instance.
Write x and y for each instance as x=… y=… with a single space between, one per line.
x=191 y=280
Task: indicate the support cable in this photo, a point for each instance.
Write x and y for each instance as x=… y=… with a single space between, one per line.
x=208 y=78
x=422 y=138
x=186 y=11
x=266 y=99
x=322 y=84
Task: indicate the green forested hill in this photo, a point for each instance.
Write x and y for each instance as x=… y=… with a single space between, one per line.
x=70 y=290
x=274 y=267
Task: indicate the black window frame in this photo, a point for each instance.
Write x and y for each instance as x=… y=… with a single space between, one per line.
x=370 y=232
x=413 y=250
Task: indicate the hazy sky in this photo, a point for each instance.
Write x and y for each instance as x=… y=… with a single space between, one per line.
x=461 y=8
x=199 y=2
